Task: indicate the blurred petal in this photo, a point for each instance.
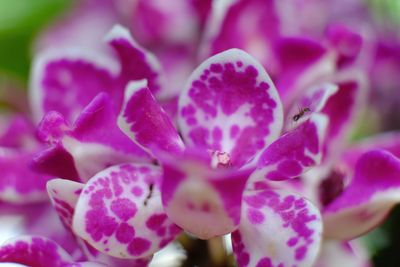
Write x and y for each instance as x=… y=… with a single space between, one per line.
x=372 y=193
x=314 y=100
x=136 y=62
x=34 y=251
x=119 y=212
x=67 y=80
x=343 y=109
x=334 y=253
x=230 y=105
x=248 y=25
x=295 y=152
x=18 y=184
x=277 y=229
x=202 y=201
x=146 y=123
x=94 y=142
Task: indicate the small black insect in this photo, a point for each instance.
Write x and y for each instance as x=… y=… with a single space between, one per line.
x=301 y=113
x=151 y=186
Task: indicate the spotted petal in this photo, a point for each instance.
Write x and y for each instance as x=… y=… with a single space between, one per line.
x=146 y=123
x=203 y=201
x=119 y=212
x=34 y=251
x=136 y=62
x=295 y=152
x=372 y=193
x=277 y=229
x=64 y=195
x=230 y=105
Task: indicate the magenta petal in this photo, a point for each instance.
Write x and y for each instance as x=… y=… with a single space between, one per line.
x=277 y=229
x=119 y=212
x=34 y=251
x=203 y=201
x=64 y=195
x=295 y=152
x=136 y=62
x=18 y=183
x=226 y=28
x=312 y=101
x=66 y=81
x=146 y=123
x=230 y=105
x=342 y=109
x=372 y=193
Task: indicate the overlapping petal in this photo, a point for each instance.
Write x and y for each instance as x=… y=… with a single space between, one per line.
x=146 y=123
x=371 y=194
x=119 y=212
x=136 y=62
x=67 y=80
x=203 y=201
x=277 y=229
x=94 y=142
x=34 y=251
x=230 y=105
x=295 y=152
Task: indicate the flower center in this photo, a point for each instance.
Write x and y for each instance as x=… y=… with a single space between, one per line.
x=220 y=159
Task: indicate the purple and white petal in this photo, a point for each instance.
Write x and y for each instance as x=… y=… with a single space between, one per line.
x=136 y=62
x=277 y=229
x=241 y=24
x=203 y=201
x=230 y=105
x=34 y=251
x=372 y=193
x=64 y=196
x=312 y=101
x=67 y=80
x=120 y=213
x=146 y=123
x=302 y=62
x=343 y=109
x=389 y=141
x=342 y=253
x=295 y=152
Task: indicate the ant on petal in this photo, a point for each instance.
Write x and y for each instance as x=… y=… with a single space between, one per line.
x=301 y=113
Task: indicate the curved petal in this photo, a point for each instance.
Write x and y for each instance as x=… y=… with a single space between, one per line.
x=146 y=123
x=34 y=251
x=19 y=184
x=64 y=196
x=336 y=253
x=389 y=141
x=119 y=212
x=94 y=142
x=342 y=109
x=311 y=102
x=372 y=193
x=67 y=80
x=202 y=201
x=230 y=105
x=295 y=152
x=136 y=62
x=248 y=25
x=277 y=229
